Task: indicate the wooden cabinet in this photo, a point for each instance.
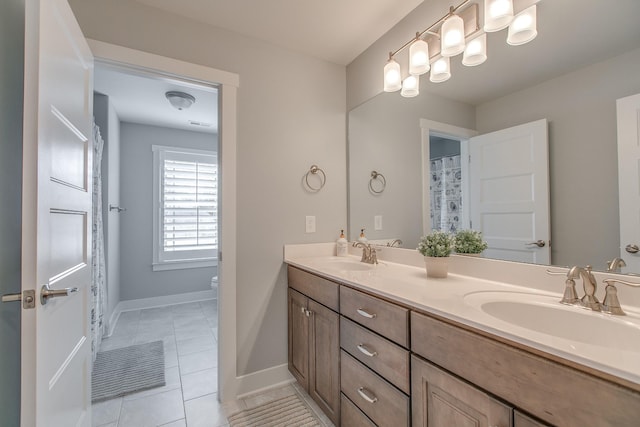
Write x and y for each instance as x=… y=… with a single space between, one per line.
x=523 y=420
x=442 y=400
x=313 y=344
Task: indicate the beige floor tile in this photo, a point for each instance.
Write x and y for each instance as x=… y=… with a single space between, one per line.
x=152 y=411
x=196 y=344
x=206 y=411
x=200 y=361
x=172 y=380
x=105 y=412
x=199 y=383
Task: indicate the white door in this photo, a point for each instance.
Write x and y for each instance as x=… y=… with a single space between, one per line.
x=628 y=113
x=509 y=192
x=56 y=222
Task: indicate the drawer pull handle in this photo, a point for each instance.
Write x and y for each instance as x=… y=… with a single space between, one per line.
x=364 y=350
x=365 y=395
x=366 y=314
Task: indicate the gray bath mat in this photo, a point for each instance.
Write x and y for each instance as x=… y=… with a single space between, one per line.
x=127 y=370
x=288 y=411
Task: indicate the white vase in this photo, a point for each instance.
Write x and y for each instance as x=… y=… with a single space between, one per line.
x=437 y=267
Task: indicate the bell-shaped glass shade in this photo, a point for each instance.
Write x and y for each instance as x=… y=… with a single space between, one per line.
x=392 y=78
x=497 y=14
x=452 y=36
x=410 y=86
x=441 y=70
x=523 y=27
x=476 y=51
x=418 y=57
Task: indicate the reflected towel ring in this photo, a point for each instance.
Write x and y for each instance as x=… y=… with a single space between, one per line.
x=377 y=176
x=315 y=170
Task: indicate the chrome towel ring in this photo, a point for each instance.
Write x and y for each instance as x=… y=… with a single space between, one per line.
x=315 y=170
x=377 y=176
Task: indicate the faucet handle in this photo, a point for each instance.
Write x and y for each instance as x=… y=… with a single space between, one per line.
x=570 y=296
x=556 y=272
x=611 y=303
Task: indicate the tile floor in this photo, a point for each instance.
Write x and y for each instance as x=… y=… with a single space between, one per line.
x=189 y=398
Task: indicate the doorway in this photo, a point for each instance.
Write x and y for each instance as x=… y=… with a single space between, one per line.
x=160 y=213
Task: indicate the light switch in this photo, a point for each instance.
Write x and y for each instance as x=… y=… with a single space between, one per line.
x=310 y=224
x=377 y=222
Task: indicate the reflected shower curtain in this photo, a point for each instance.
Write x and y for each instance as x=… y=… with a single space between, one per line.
x=99 y=276
x=446 y=193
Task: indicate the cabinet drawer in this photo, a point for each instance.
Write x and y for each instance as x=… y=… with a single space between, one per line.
x=387 y=319
x=386 y=358
x=322 y=290
x=523 y=420
x=351 y=416
x=379 y=400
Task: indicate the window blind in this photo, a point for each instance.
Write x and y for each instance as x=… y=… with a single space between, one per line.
x=190 y=208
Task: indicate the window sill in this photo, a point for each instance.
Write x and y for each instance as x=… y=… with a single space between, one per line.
x=181 y=265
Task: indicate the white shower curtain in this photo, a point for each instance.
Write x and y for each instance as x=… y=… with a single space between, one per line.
x=446 y=193
x=99 y=276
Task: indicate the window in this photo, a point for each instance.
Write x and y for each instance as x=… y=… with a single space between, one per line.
x=185 y=208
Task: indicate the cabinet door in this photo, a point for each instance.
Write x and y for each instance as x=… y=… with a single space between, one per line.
x=299 y=338
x=523 y=420
x=442 y=400
x=324 y=359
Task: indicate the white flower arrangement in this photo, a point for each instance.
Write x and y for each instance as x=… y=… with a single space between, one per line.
x=469 y=242
x=436 y=244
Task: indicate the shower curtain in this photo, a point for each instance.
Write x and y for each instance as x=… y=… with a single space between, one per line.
x=446 y=193
x=99 y=276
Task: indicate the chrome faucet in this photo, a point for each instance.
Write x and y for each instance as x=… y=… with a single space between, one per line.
x=369 y=254
x=615 y=264
x=611 y=304
x=589 y=285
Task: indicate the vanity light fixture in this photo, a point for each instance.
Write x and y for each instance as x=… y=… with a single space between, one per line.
x=431 y=49
x=180 y=100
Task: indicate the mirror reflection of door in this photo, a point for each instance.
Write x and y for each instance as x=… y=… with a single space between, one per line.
x=497 y=183
x=628 y=113
x=509 y=192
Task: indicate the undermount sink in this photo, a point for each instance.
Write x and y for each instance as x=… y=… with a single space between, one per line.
x=544 y=314
x=348 y=265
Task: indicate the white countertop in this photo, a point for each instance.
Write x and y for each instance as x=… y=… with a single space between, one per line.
x=593 y=341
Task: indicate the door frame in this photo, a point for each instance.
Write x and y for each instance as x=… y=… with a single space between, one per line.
x=428 y=128
x=228 y=383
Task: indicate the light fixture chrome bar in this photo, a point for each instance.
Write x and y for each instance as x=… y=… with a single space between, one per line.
x=419 y=35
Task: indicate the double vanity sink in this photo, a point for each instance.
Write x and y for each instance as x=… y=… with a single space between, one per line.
x=529 y=316
x=520 y=342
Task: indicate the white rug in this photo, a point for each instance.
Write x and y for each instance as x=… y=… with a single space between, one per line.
x=287 y=411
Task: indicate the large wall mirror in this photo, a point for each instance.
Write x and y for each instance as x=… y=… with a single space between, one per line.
x=586 y=56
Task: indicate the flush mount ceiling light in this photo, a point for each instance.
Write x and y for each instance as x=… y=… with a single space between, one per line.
x=180 y=100
x=432 y=48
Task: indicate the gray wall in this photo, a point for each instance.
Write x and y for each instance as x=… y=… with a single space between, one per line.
x=581 y=109
x=107 y=120
x=291 y=114
x=11 y=92
x=137 y=279
x=385 y=135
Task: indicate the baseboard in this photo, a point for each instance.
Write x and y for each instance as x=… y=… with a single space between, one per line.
x=266 y=379
x=142 y=303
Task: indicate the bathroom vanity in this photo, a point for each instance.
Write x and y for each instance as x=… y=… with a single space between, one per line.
x=383 y=345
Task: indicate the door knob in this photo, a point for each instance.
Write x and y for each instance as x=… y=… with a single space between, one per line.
x=28 y=298
x=632 y=249
x=538 y=243
x=46 y=293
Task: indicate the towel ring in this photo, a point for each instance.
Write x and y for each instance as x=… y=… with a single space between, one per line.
x=315 y=170
x=377 y=176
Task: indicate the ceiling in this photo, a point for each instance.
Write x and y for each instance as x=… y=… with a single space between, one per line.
x=571 y=35
x=334 y=30
x=140 y=98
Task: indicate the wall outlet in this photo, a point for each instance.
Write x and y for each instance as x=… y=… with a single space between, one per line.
x=310 y=224
x=377 y=222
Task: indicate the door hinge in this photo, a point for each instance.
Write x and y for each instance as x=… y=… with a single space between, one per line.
x=28 y=298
